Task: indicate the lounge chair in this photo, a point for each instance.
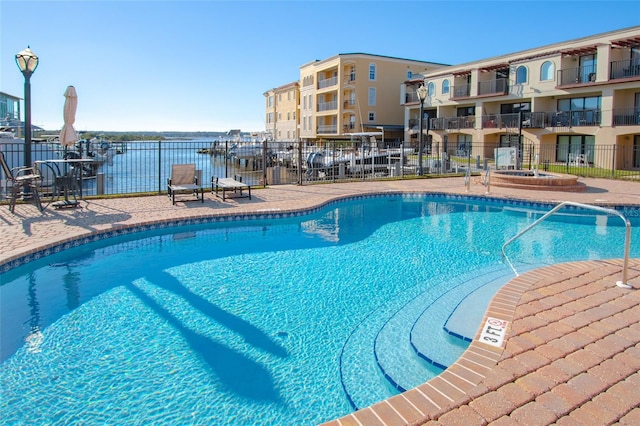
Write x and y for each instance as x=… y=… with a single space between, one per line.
x=184 y=179
x=21 y=178
x=228 y=184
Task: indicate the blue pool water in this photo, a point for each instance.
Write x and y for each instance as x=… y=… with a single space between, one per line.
x=263 y=321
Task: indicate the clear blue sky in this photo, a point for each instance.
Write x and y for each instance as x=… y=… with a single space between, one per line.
x=204 y=65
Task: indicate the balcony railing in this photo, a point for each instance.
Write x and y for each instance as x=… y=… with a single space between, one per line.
x=349 y=127
x=579 y=75
x=411 y=97
x=624 y=69
x=462 y=91
x=350 y=104
x=327 y=106
x=327 y=129
x=589 y=117
x=535 y=120
x=350 y=78
x=328 y=82
x=493 y=87
x=626 y=116
x=447 y=123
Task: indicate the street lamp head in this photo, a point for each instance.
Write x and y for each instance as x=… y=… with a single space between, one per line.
x=27 y=62
x=422 y=93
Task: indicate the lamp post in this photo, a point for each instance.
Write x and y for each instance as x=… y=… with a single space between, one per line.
x=27 y=63
x=422 y=95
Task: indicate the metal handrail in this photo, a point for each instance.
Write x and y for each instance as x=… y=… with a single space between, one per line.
x=625 y=263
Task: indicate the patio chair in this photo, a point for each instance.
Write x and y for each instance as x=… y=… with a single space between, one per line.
x=21 y=178
x=184 y=179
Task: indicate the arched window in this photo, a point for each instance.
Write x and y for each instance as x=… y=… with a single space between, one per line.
x=546 y=71
x=521 y=74
x=445 y=87
x=431 y=89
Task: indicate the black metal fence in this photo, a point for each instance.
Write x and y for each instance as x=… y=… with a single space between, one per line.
x=143 y=167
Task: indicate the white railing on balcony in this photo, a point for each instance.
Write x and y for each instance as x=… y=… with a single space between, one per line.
x=328 y=129
x=327 y=82
x=327 y=106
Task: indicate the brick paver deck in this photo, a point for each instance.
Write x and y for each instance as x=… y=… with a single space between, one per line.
x=572 y=349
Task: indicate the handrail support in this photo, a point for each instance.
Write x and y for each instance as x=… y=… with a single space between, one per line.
x=625 y=263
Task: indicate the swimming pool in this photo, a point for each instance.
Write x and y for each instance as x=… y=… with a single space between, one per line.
x=253 y=321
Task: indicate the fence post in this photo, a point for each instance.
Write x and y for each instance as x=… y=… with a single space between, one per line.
x=159 y=166
x=300 y=161
x=226 y=158
x=264 y=162
x=613 y=162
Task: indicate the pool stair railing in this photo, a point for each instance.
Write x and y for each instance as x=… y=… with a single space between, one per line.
x=623 y=283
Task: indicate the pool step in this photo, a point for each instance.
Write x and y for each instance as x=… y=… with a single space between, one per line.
x=422 y=320
x=458 y=326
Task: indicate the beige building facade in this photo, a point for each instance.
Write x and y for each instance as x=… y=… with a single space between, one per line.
x=354 y=92
x=567 y=99
x=283 y=112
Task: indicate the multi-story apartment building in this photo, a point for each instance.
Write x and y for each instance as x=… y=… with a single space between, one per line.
x=283 y=112
x=354 y=92
x=567 y=99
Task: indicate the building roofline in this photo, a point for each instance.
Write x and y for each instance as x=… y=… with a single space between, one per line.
x=371 y=55
x=549 y=49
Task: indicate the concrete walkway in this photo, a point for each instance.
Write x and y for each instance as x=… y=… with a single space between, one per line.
x=571 y=352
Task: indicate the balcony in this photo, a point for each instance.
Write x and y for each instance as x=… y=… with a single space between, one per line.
x=626 y=116
x=498 y=86
x=461 y=91
x=453 y=123
x=327 y=82
x=330 y=129
x=349 y=128
x=350 y=78
x=327 y=106
x=580 y=75
x=411 y=98
x=590 y=117
x=536 y=120
x=624 y=69
x=350 y=104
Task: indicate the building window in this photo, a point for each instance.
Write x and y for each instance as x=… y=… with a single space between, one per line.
x=288 y=116
x=445 y=87
x=570 y=146
x=431 y=89
x=465 y=111
x=372 y=72
x=270 y=101
x=521 y=75
x=578 y=111
x=372 y=116
x=352 y=73
x=372 y=96
x=546 y=71
x=409 y=75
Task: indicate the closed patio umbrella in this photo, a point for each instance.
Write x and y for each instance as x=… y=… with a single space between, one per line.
x=68 y=135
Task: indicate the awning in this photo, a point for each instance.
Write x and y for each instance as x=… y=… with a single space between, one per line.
x=494 y=67
x=626 y=42
x=580 y=50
